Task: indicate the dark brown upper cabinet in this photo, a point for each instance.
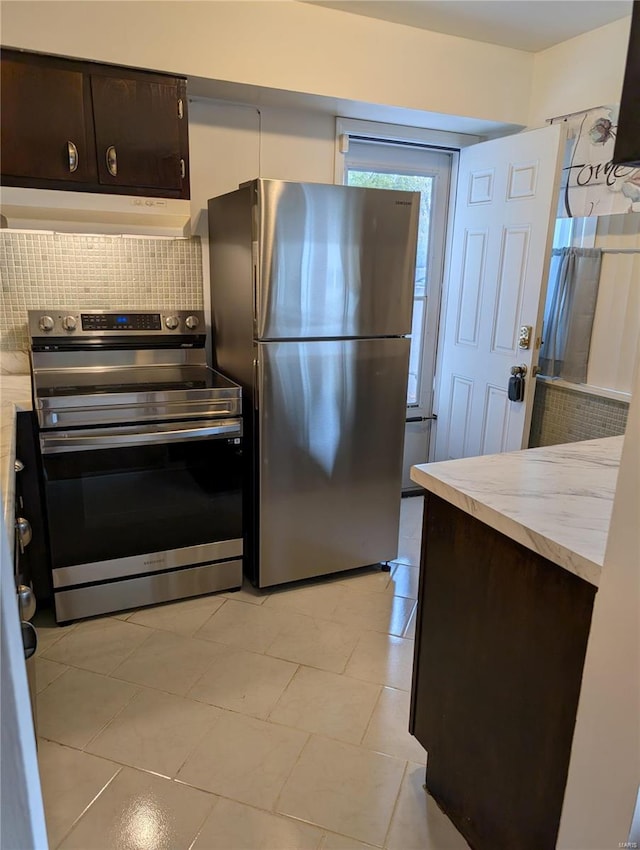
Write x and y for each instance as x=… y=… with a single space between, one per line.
x=47 y=131
x=95 y=128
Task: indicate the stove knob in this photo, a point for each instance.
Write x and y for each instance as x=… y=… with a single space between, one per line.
x=192 y=322
x=45 y=323
x=69 y=323
x=172 y=322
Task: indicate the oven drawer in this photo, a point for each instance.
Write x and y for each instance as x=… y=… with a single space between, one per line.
x=147 y=590
x=153 y=562
x=90 y=439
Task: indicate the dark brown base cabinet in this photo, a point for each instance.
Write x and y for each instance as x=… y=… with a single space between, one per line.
x=84 y=126
x=501 y=637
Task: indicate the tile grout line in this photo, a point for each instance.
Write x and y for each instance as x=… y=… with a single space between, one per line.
x=395 y=805
x=111 y=719
x=216 y=800
x=276 y=802
x=88 y=806
x=375 y=707
x=325 y=828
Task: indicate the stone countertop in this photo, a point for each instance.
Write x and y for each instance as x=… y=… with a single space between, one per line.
x=15 y=394
x=556 y=500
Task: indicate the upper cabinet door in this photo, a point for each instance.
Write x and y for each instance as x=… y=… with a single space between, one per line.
x=141 y=132
x=334 y=261
x=46 y=124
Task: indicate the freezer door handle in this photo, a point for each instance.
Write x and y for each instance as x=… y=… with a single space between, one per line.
x=256 y=387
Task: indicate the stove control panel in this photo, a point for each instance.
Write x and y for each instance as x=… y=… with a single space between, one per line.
x=108 y=323
x=121 y=321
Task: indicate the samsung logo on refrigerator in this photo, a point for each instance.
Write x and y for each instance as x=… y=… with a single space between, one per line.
x=403 y=203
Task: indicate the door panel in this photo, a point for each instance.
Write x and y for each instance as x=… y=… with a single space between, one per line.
x=497 y=283
x=139 y=119
x=335 y=261
x=331 y=425
x=495 y=421
x=510 y=289
x=44 y=117
x=471 y=277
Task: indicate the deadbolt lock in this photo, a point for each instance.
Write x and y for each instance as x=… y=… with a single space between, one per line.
x=524 y=339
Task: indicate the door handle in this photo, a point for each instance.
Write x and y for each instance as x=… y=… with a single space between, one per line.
x=112 y=160
x=515 y=389
x=72 y=153
x=433 y=416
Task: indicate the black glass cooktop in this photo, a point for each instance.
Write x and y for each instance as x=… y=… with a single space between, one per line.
x=157 y=379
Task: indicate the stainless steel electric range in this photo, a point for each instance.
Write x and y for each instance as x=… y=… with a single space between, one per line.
x=141 y=449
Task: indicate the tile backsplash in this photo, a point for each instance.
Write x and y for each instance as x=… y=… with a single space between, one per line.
x=562 y=415
x=77 y=271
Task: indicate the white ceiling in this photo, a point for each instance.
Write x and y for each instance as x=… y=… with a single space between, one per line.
x=523 y=24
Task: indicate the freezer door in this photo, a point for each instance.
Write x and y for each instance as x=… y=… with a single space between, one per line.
x=334 y=261
x=331 y=428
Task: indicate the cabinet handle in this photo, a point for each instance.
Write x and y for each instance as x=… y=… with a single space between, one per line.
x=112 y=161
x=180 y=108
x=72 y=152
x=183 y=169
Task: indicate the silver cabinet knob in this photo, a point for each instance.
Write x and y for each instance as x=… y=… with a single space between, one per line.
x=69 y=323
x=26 y=602
x=192 y=322
x=45 y=323
x=172 y=322
x=23 y=530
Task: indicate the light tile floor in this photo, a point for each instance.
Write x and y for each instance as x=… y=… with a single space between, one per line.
x=241 y=721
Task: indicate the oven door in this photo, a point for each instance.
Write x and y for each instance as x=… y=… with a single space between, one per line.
x=130 y=500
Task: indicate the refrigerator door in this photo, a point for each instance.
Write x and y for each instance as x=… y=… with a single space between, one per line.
x=334 y=261
x=331 y=428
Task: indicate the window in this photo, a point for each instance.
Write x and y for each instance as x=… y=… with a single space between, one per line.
x=413 y=168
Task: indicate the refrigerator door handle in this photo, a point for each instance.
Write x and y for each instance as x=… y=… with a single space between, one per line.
x=256 y=291
x=256 y=404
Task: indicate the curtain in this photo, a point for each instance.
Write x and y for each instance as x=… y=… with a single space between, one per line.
x=569 y=311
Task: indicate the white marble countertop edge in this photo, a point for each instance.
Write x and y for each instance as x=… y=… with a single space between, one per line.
x=514 y=494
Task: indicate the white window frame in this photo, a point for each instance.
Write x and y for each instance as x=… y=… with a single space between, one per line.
x=375 y=130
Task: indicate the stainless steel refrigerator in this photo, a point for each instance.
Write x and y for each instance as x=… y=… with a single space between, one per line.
x=311 y=299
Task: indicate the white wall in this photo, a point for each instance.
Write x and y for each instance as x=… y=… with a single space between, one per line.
x=231 y=143
x=616 y=325
x=580 y=73
x=296 y=47
x=604 y=771
x=285 y=45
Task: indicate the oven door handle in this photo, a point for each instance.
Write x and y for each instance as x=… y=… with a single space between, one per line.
x=144 y=435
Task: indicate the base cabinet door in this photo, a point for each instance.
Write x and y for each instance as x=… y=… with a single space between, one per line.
x=501 y=636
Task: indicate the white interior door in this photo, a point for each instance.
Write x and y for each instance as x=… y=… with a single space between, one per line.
x=503 y=228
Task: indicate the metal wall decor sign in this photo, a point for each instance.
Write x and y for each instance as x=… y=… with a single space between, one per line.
x=591 y=184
